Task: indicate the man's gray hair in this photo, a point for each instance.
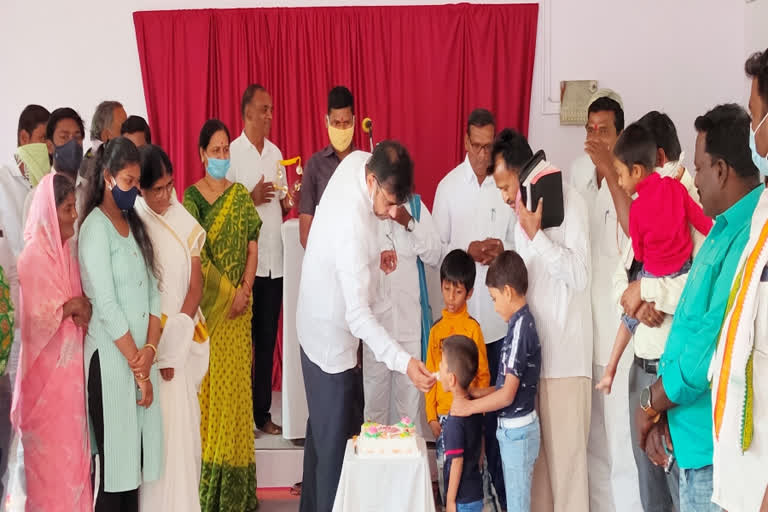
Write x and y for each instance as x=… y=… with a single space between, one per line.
x=102 y=118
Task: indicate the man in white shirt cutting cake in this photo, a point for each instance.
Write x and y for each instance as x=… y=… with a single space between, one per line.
x=338 y=285
x=407 y=242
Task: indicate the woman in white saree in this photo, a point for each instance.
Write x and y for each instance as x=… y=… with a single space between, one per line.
x=184 y=347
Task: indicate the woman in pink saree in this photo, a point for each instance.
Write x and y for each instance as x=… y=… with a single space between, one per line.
x=49 y=403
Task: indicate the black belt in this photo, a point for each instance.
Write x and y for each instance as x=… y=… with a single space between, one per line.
x=648 y=365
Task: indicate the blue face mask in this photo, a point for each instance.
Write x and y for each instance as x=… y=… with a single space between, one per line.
x=760 y=161
x=218 y=167
x=124 y=198
x=68 y=157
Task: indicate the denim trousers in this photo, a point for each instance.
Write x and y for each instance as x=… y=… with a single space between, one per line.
x=696 y=490
x=519 y=449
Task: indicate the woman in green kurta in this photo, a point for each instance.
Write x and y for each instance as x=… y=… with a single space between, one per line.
x=229 y=260
x=117 y=267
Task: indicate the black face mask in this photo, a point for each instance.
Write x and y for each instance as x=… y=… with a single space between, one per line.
x=67 y=157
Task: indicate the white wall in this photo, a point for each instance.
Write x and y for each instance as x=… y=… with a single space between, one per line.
x=756 y=26
x=657 y=54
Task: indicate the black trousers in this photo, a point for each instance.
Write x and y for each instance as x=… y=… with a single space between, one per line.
x=492 y=452
x=267 y=302
x=126 y=501
x=334 y=417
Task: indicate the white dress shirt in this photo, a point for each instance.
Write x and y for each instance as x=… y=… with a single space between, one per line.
x=339 y=277
x=464 y=212
x=607 y=241
x=247 y=166
x=400 y=292
x=14 y=189
x=558 y=262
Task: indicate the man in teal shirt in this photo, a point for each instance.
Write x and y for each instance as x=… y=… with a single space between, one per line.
x=679 y=402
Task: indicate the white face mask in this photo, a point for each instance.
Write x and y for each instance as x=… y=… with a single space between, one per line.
x=760 y=161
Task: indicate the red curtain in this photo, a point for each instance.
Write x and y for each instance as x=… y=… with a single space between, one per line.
x=416 y=71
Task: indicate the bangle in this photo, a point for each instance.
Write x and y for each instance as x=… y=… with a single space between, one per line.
x=142 y=380
x=153 y=348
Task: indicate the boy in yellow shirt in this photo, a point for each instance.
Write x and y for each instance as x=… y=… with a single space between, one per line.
x=457 y=277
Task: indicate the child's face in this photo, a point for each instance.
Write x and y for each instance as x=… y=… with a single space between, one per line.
x=455 y=296
x=629 y=177
x=502 y=301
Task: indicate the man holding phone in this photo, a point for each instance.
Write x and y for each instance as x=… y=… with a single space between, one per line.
x=559 y=267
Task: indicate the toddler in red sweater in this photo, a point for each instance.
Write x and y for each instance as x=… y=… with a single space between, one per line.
x=658 y=224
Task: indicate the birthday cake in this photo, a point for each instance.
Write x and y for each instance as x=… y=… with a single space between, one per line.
x=376 y=439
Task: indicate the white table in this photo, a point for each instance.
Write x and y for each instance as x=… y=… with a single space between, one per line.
x=385 y=483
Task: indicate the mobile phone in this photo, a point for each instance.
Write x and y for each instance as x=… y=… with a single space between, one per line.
x=670 y=456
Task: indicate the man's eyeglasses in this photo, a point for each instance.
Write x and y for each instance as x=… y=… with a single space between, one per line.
x=477 y=148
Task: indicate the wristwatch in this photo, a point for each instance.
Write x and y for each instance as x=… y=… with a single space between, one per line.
x=411 y=225
x=645 y=403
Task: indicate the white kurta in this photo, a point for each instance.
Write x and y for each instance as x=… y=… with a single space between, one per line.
x=248 y=167
x=613 y=484
x=464 y=212
x=177 y=238
x=13 y=192
x=338 y=277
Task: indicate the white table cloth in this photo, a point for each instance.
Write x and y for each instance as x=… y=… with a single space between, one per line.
x=295 y=412
x=370 y=484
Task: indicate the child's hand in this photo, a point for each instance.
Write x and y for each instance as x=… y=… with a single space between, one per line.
x=631 y=299
x=605 y=384
x=436 y=429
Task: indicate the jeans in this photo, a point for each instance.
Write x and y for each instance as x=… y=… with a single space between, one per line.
x=696 y=490
x=475 y=506
x=519 y=449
